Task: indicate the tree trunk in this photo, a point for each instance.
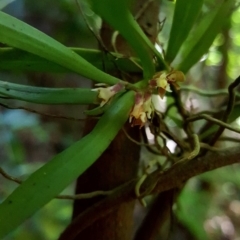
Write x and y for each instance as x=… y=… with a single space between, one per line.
x=119 y=163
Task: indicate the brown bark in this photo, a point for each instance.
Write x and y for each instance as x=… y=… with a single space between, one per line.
x=118 y=164
x=158 y=214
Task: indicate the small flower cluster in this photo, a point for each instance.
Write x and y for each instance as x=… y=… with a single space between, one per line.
x=143 y=107
x=162 y=80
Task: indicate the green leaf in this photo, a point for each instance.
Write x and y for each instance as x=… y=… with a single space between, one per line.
x=92 y=20
x=117 y=14
x=48 y=95
x=54 y=176
x=17 y=60
x=18 y=34
x=185 y=15
x=203 y=35
x=108 y=62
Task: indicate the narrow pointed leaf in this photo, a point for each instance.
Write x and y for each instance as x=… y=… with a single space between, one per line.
x=48 y=95
x=92 y=20
x=17 y=60
x=117 y=14
x=108 y=62
x=18 y=34
x=185 y=15
x=203 y=35
x=57 y=174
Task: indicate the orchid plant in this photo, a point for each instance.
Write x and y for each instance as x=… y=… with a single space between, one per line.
x=119 y=101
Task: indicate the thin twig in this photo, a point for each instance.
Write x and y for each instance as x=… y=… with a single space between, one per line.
x=66 y=197
x=137 y=189
x=97 y=36
x=135 y=141
x=186 y=126
x=142 y=9
x=11 y=178
x=168 y=109
x=208 y=112
x=214 y=120
x=145 y=139
x=43 y=114
x=163 y=128
x=195 y=151
x=230 y=105
x=210 y=148
x=163 y=181
x=218 y=112
x=161 y=149
x=85 y=195
x=156 y=131
x=205 y=93
x=230 y=139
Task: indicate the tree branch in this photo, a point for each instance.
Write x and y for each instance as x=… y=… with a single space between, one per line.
x=43 y=113
x=230 y=105
x=222 y=124
x=205 y=93
x=68 y=197
x=158 y=181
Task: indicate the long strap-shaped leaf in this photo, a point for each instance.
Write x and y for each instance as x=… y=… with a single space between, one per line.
x=117 y=14
x=185 y=14
x=48 y=95
x=16 y=33
x=57 y=174
x=203 y=35
x=17 y=60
